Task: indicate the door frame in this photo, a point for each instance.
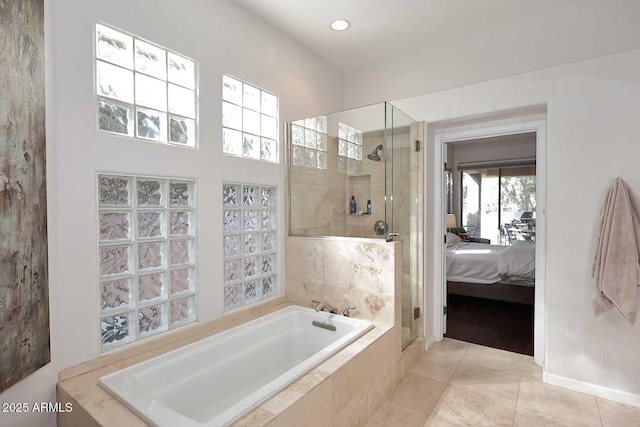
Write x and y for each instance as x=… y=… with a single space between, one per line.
x=536 y=123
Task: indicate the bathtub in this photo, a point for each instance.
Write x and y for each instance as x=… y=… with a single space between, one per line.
x=215 y=381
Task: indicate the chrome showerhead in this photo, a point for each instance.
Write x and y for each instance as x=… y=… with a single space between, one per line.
x=374 y=155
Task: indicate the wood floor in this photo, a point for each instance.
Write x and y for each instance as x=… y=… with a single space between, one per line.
x=496 y=324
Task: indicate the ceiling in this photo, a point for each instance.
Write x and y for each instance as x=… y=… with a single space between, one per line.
x=382 y=29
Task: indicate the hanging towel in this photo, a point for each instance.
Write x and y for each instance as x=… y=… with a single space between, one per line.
x=616 y=268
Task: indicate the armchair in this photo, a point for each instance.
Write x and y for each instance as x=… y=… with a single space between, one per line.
x=462 y=233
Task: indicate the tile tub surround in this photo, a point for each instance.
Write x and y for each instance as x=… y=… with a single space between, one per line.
x=365 y=273
x=219 y=379
x=410 y=355
x=341 y=386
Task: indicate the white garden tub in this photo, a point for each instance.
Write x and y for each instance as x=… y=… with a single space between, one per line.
x=215 y=381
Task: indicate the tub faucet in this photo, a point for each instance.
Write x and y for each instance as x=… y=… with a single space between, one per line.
x=325 y=306
x=346 y=313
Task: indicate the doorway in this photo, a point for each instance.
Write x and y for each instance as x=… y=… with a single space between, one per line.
x=490 y=248
x=492 y=226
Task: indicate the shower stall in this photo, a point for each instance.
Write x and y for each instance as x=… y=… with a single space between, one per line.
x=358 y=173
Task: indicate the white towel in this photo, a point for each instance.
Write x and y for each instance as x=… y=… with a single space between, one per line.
x=616 y=267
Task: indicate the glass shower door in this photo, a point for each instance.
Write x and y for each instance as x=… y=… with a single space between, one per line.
x=356 y=173
x=402 y=189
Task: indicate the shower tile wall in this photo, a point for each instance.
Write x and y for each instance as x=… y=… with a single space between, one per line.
x=320 y=203
x=367 y=185
x=346 y=272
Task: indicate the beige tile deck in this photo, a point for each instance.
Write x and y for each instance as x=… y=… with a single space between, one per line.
x=418 y=393
x=567 y=404
x=466 y=408
x=494 y=359
x=614 y=414
x=452 y=349
x=436 y=367
x=530 y=418
x=499 y=384
x=458 y=384
x=437 y=422
x=395 y=415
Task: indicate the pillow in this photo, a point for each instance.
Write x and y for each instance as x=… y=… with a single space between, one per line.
x=452 y=239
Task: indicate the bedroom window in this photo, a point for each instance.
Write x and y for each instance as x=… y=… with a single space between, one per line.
x=147 y=263
x=144 y=90
x=250 y=244
x=309 y=142
x=249 y=121
x=500 y=203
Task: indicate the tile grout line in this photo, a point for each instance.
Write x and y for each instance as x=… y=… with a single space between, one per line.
x=457 y=367
x=515 y=411
x=599 y=413
x=445 y=389
x=521 y=379
x=515 y=408
x=407 y=407
x=434 y=406
x=388 y=400
x=448 y=383
x=459 y=362
x=555 y=415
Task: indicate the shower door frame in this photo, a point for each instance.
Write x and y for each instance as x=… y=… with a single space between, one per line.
x=536 y=123
x=413 y=241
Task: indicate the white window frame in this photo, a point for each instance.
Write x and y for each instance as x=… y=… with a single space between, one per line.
x=250 y=126
x=171 y=113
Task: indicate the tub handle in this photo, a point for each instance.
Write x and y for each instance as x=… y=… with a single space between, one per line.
x=390 y=236
x=346 y=313
x=323 y=325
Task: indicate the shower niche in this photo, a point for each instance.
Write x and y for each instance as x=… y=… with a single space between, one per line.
x=360 y=223
x=359 y=186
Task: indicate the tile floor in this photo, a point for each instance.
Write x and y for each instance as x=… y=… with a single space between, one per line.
x=462 y=384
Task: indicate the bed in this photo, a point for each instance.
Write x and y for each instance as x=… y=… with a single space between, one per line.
x=504 y=273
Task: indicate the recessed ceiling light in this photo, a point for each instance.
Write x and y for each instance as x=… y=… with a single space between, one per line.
x=340 y=25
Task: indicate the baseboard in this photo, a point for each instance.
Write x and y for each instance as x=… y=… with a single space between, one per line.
x=592 y=389
x=428 y=342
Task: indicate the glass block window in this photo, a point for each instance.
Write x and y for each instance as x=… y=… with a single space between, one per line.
x=309 y=142
x=147 y=263
x=144 y=90
x=349 y=149
x=249 y=121
x=249 y=244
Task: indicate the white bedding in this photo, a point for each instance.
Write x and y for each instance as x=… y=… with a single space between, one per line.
x=487 y=264
x=473 y=262
x=518 y=261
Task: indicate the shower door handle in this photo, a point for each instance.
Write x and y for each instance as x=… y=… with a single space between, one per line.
x=390 y=236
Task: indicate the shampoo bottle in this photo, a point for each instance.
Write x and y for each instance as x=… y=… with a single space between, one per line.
x=352 y=205
x=369 y=207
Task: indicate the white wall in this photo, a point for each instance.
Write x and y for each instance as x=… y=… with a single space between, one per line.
x=592 y=138
x=224 y=39
x=580 y=29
